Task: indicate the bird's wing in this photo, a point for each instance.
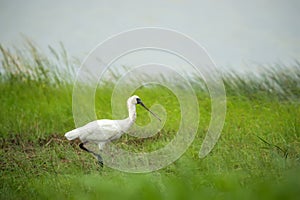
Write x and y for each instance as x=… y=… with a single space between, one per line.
x=100 y=131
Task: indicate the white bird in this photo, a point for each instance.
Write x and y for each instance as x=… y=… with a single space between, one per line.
x=103 y=131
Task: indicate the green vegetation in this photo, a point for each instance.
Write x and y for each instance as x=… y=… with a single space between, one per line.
x=257 y=156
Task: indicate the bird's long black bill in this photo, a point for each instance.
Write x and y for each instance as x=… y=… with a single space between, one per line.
x=150 y=111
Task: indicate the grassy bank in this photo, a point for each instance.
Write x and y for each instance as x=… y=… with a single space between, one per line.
x=257 y=156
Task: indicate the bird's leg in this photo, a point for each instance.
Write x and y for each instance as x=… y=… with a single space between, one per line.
x=99 y=158
x=83 y=147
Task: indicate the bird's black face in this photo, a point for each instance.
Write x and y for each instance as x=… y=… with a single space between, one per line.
x=138 y=101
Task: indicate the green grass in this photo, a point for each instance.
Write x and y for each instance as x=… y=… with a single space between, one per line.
x=257 y=156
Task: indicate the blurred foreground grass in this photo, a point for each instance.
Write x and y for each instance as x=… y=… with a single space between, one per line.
x=37 y=162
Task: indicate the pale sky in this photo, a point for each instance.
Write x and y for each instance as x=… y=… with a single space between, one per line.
x=233 y=32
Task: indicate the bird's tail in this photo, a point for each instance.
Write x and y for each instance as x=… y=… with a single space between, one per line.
x=71 y=135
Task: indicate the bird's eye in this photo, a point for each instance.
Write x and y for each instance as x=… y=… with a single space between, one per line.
x=138 y=100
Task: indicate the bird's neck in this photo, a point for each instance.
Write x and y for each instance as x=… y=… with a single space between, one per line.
x=132 y=112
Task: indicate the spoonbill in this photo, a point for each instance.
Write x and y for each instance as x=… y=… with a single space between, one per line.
x=104 y=131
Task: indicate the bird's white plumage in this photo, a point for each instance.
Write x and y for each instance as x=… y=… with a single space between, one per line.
x=102 y=131
x=98 y=131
